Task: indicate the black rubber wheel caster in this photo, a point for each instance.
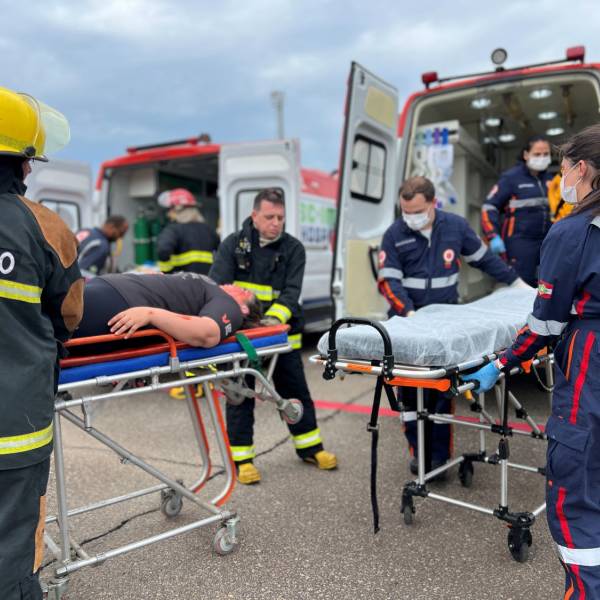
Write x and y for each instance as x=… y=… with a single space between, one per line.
x=465 y=474
x=519 y=542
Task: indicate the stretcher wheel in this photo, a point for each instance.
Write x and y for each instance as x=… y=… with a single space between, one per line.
x=293 y=412
x=170 y=504
x=407 y=513
x=222 y=544
x=519 y=542
x=465 y=473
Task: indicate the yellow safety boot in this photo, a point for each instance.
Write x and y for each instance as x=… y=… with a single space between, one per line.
x=323 y=460
x=248 y=474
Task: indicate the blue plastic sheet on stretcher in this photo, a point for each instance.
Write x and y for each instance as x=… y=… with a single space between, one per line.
x=431 y=350
x=112 y=368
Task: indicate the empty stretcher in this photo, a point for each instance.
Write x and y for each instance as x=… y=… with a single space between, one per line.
x=116 y=368
x=360 y=358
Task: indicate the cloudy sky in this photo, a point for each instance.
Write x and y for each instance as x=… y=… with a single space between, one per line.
x=130 y=72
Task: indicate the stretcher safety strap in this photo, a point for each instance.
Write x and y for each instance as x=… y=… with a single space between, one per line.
x=186 y=258
x=280 y=312
x=307 y=440
x=584 y=557
x=28 y=441
x=265 y=293
x=248 y=348
x=240 y=453
x=20 y=291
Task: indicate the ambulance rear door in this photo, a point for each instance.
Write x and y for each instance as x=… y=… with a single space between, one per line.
x=245 y=169
x=367 y=193
x=65 y=187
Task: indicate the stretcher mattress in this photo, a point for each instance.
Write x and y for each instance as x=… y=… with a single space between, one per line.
x=161 y=359
x=442 y=335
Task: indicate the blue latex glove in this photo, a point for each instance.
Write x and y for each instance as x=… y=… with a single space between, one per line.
x=486 y=377
x=497 y=245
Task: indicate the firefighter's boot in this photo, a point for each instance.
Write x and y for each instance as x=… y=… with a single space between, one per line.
x=248 y=474
x=323 y=460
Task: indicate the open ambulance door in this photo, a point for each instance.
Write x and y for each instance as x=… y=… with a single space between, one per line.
x=245 y=169
x=367 y=193
x=65 y=187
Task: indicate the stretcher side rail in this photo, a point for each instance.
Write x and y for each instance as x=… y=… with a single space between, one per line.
x=234 y=365
x=447 y=379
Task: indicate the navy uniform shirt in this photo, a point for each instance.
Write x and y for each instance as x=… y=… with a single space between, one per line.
x=415 y=271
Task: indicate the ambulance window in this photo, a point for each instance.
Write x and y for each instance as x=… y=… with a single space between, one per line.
x=244 y=202
x=67 y=211
x=368 y=170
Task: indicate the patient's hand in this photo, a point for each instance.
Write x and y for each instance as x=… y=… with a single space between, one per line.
x=129 y=321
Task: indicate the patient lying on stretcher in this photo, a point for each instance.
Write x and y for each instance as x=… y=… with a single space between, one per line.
x=190 y=307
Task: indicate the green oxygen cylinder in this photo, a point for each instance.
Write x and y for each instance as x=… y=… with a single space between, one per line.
x=155 y=227
x=141 y=239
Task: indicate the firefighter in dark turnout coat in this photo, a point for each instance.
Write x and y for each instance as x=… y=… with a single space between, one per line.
x=269 y=262
x=40 y=305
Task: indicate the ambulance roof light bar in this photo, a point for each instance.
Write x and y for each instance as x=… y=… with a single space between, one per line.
x=499 y=55
x=203 y=137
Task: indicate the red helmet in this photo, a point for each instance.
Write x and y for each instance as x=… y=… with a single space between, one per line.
x=175 y=198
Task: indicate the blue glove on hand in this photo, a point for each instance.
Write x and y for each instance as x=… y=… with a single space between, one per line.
x=497 y=245
x=485 y=378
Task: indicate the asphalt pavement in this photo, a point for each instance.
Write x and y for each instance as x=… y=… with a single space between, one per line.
x=303 y=533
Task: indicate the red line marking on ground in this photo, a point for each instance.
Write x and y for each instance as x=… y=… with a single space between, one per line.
x=386 y=412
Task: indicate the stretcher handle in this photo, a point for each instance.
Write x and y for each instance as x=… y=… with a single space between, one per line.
x=388 y=356
x=110 y=337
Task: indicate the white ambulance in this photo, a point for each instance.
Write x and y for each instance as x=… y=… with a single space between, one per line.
x=461 y=132
x=224 y=178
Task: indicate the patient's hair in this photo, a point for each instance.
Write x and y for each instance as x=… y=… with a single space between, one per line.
x=255 y=314
x=417 y=185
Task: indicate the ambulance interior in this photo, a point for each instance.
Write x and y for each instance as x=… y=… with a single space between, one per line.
x=463 y=139
x=132 y=192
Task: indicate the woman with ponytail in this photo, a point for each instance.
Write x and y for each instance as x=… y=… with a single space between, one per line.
x=566 y=312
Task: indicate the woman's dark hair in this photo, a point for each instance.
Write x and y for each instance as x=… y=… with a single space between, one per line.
x=585 y=146
x=530 y=142
x=255 y=314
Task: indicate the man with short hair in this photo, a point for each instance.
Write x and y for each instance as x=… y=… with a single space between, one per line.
x=94 y=245
x=265 y=259
x=419 y=265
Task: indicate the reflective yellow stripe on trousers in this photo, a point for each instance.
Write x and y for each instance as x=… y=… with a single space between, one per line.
x=295 y=341
x=28 y=441
x=262 y=292
x=20 y=291
x=240 y=453
x=307 y=440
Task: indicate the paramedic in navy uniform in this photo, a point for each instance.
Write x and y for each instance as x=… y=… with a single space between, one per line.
x=567 y=309
x=419 y=265
x=521 y=196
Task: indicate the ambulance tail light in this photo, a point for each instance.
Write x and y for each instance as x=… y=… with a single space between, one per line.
x=576 y=53
x=429 y=78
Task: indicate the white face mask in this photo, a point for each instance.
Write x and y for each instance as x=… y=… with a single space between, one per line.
x=569 y=192
x=417 y=221
x=538 y=163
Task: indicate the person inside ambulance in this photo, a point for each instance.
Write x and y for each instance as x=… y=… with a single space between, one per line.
x=40 y=305
x=515 y=215
x=188 y=243
x=95 y=245
x=190 y=307
x=266 y=260
x=419 y=265
x=566 y=312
